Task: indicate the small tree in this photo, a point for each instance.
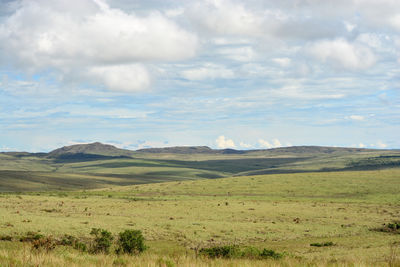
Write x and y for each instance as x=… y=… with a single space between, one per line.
x=102 y=241
x=131 y=242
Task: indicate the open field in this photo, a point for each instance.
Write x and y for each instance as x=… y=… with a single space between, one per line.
x=282 y=212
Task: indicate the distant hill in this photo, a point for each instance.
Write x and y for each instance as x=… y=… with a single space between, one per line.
x=93 y=148
x=319 y=149
x=98 y=148
x=191 y=150
x=99 y=165
x=179 y=150
x=279 y=150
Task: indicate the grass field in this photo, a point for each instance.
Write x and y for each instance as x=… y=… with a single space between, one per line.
x=282 y=212
x=44 y=172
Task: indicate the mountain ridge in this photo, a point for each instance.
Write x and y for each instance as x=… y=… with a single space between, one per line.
x=98 y=148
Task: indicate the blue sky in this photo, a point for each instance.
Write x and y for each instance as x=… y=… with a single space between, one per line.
x=223 y=73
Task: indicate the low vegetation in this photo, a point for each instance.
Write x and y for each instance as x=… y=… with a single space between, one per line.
x=234 y=251
x=324 y=244
x=131 y=242
x=303 y=219
x=393 y=227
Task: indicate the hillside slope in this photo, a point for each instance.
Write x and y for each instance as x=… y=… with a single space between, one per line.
x=97 y=165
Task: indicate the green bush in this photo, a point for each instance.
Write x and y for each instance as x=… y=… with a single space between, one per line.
x=229 y=251
x=232 y=251
x=326 y=244
x=30 y=236
x=69 y=240
x=250 y=253
x=268 y=253
x=102 y=241
x=6 y=238
x=131 y=242
x=394 y=226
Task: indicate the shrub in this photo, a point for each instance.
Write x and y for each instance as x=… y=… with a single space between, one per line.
x=229 y=251
x=326 y=244
x=30 y=236
x=102 y=241
x=250 y=253
x=268 y=253
x=6 y=238
x=69 y=240
x=232 y=251
x=131 y=242
x=393 y=227
x=46 y=243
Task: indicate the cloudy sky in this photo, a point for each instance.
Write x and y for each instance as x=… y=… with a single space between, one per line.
x=222 y=73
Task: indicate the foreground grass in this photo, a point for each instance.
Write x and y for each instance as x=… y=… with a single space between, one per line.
x=285 y=212
x=23 y=256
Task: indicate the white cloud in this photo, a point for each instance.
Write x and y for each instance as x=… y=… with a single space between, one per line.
x=395 y=21
x=149 y=144
x=208 y=71
x=244 y=54
x=174 y=12
x=282 y=61
x=244 y=145
x=361 y=145
x=226 y=17
x=380 y=144
x=265 y=144
x=223 y=142
x=370 y=39
x=342 y=54
x=276 y=143
x=124 y=78
x=349 y=26
x=68 y=38
x=356 y=117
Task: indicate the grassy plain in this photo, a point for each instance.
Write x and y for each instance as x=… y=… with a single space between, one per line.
x=283 y=212
x=43 y=172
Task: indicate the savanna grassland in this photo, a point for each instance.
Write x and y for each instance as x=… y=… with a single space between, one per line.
x=346 y=210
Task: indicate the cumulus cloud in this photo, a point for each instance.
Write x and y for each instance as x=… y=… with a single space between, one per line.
x=226 y=17
x=343 y=54
x=349 y=26
x=380 y=144
x=244 y=145
x=245 y=53
x=276 y=143
x=282 y=61
x=395 y=21
x=43 y=35
x=273 y=144
x=264 y=143
x=223 y=142
x=356 y=117
x=124 y=78
x=208 y=71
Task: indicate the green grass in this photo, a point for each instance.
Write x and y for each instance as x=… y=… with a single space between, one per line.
x=29 y=172
x=282 y=212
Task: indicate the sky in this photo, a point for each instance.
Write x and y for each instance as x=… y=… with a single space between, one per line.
x=248 y=74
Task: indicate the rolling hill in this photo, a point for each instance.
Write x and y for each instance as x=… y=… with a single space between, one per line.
x=97 y=165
